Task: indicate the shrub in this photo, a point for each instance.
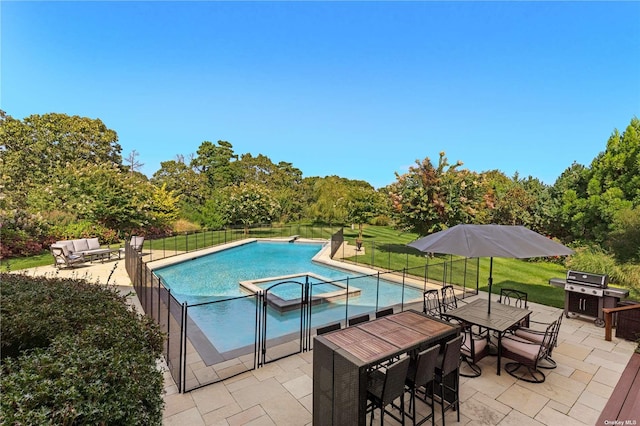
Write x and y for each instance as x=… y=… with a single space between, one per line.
x=16 y=242
x=594 y=259
x=183 y=225
x=85 y=229
x=73 y=353
x=381 y=220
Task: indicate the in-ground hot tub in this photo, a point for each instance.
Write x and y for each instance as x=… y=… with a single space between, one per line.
x=284 y=292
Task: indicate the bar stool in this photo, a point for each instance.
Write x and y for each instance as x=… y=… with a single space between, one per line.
x=359 y=319
x=385 y=387
x=384 y=312
x=447 y=377
x=421 y=374
x=328 y=328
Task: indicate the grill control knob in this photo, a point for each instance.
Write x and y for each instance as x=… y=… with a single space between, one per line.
x=582 y=290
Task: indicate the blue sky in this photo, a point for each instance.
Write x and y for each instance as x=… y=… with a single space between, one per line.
x=355 y=89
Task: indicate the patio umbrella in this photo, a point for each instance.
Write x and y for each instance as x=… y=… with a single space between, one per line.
x=490 y=241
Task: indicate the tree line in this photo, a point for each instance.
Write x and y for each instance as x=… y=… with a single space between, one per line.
x=64 y=176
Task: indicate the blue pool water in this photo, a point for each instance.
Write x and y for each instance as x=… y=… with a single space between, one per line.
x=231 y=324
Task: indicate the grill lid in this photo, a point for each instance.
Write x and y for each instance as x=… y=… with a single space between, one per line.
x=588 y=279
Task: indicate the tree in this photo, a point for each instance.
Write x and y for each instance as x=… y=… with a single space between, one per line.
x=363 y=205
x=134 y=164
x=565 y=194
x=516 y=201
x=42 y=146
x=249 y=203
x=184 y=181
x=164 y=207
x=624 y=238
x=619 y=165
x=217 y=163
x=430 y=198
x=328 y=200
x=586 y=200
x=39 y=157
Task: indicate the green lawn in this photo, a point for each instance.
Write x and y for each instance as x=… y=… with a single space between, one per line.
x=386 y=248
x=15 y=264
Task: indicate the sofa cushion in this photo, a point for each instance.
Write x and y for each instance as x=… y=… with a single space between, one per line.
x=68 y=245
x=93 y=243
x=80 y=245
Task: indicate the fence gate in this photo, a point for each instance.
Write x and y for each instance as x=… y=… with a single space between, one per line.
x=289 y=300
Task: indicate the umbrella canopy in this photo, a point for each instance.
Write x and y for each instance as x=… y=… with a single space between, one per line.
x=490 y=241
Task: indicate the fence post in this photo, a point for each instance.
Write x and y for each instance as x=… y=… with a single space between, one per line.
x=444 y=273
x=183 y=350
x=166 y=353
x=378 y=292
x=373 y=251
x=404 y=274
x=426 y=274
x=346 y=305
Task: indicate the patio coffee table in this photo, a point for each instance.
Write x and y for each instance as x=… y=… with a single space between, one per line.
x=105 y=253
x=502 y=318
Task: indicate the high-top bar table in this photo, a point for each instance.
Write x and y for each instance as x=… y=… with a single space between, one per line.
x=501 y=319
x=342 y=359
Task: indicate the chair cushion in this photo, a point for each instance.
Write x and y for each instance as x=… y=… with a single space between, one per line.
x=522 y=347
x=478 y=344
x=93 y=243
x=80 y=245
x=534 y=336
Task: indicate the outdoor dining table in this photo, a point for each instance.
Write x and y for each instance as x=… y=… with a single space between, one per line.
x=501 y=318
x=343 y=358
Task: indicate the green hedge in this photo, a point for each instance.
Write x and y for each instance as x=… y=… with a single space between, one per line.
x=73 y=353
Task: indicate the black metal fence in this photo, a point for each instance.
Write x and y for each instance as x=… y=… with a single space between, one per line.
x=167 y=245
x=195 y=361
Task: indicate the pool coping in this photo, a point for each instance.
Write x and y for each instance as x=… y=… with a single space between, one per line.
x=284 y=305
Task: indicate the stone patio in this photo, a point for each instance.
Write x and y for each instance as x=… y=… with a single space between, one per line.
x=281 y=392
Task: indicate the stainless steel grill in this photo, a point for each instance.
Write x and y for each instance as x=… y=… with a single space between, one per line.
x=587 y=279
x=586 y=294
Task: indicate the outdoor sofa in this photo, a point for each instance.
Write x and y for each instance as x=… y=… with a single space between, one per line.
x=69 y=252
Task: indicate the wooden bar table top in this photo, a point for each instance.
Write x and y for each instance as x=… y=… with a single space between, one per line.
x=501 y=318
x=354 y=350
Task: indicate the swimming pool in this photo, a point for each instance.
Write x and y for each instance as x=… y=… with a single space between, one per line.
x=231 y=325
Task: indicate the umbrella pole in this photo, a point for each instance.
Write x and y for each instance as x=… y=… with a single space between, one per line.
x=490 y=282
